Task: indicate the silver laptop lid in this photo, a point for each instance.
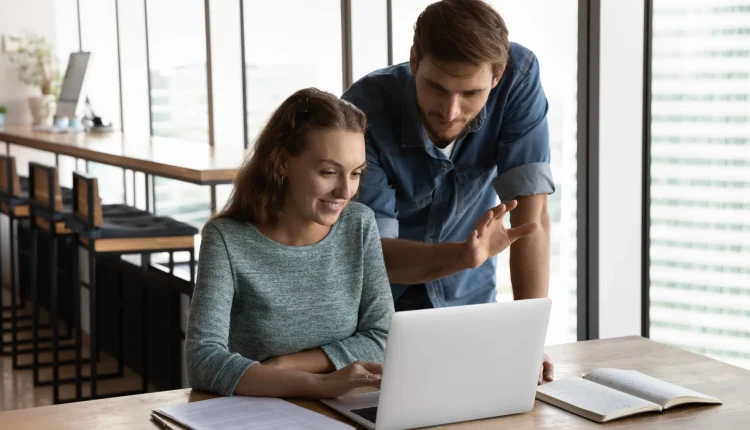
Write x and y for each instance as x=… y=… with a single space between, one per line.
x=462 y=363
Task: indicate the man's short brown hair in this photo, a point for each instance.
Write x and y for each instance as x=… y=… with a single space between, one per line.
x=461 y=31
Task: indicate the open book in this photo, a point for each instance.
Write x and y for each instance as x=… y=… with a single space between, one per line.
x=606 y=394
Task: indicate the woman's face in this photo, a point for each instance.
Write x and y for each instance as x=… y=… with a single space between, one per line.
x=325 y=176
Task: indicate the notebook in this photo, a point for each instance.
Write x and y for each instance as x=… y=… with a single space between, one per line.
x=606 y=394
x=241 y=412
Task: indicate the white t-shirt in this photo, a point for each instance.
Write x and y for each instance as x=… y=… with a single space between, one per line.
x=448 y=150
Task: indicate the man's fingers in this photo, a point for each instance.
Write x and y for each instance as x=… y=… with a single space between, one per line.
x=488 y=217
x=510 y=205
x=516 y=233
x=499 y=210
x=549 y=371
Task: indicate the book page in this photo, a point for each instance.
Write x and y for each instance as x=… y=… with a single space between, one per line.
x=241 y=412
x=591 y=400
x=644 y=386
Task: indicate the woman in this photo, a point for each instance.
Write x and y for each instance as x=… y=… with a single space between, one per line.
x=292 y=297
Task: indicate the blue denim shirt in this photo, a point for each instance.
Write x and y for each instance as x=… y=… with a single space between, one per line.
x=419 y=194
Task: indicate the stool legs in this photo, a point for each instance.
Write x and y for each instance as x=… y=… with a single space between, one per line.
x=145 y=263
x=121 y=322
x=33 y=287
x=2 y=305
x=13 y=304
x=53 y=314
x=77 y=316
x=93 y=318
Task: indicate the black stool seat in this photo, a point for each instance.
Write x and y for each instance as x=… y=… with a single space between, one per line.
x=122 y=221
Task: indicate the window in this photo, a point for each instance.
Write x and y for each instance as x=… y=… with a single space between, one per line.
x=99 y=36
x=179 y=96
x=369 y=37
x=405 y=14
x=177 y=68
x=700 y=182
x=306 y=52
x=547 y=28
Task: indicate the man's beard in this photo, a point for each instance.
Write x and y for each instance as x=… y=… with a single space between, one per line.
x=440 y=142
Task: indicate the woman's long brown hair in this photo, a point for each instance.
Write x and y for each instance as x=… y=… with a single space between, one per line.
x=259 y=189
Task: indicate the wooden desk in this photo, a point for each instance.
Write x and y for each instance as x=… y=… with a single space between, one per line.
x=166 y=157
x=728 y=383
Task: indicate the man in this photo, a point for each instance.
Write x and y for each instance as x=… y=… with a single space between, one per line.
x=459 y=125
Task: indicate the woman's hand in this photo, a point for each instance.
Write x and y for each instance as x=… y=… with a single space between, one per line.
x=356 y=375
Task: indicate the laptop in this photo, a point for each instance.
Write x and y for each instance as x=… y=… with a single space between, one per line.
x=455 y=364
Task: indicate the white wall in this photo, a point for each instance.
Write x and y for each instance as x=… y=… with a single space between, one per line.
x=16 y=17
x=620 y=158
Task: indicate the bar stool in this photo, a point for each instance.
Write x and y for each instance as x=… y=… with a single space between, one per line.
x=14 y=204
x=20 y=207
x=50 y=207
x=120 y=230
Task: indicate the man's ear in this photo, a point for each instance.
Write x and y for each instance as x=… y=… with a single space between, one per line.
x=497 y=77
x=413 y=64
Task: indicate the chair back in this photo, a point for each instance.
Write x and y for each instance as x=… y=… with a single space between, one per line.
x=44 y=187
x=10 y=184
x=87 y=206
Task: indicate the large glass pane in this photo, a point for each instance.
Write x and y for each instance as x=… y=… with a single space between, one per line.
x=405 y=14
x=179 y=96
x=99 y=36
x=549 y=29
x=285 y=52
x=369 y=37
x=177 y=56
x=700 y=178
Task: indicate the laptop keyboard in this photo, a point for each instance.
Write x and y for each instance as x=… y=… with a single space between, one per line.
x=367 y=413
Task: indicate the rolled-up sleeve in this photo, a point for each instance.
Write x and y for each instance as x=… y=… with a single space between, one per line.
x=523 y=163
x=376 y=192
x=210 y=364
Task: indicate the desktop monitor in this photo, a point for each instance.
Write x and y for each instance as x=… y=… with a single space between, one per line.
x=70 y=93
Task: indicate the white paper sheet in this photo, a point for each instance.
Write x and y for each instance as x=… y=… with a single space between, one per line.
x=240 y=412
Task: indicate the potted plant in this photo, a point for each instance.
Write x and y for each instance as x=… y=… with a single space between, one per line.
x=3 y=111
x=37 y=66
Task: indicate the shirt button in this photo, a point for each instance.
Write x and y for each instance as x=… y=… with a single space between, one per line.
x=442 y=167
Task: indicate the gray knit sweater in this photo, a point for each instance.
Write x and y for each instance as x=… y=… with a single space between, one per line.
x=255 y=298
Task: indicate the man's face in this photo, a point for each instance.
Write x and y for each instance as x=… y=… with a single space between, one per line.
x=450 y=95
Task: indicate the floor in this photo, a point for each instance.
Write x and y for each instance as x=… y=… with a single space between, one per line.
x=17 y=389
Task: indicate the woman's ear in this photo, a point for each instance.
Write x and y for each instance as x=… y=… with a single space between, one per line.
x=283 y=161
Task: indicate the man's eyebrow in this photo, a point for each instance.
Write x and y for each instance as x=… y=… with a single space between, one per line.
x=473 y=90
x=435 y=84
